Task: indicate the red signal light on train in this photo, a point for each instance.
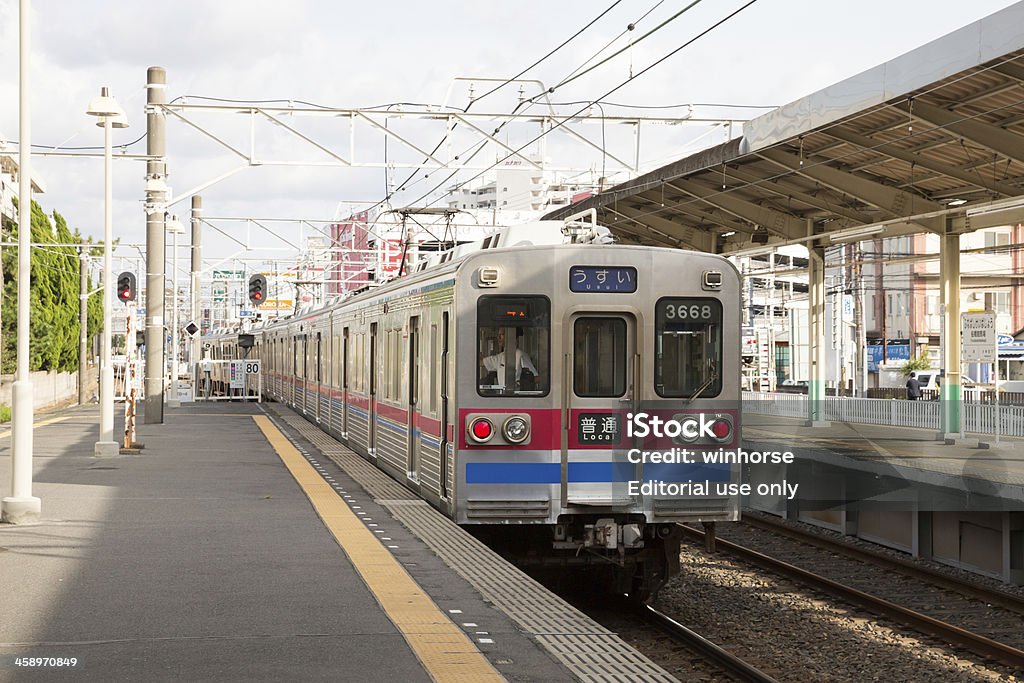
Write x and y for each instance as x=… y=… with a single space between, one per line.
x=721 y=429
x=481 y=430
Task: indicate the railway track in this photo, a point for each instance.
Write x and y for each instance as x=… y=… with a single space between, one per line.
x=983 y=628
x=968 y=588
x=645 y=628
x=734 y=665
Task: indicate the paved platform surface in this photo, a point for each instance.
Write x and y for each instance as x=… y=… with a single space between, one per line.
x=202 y=559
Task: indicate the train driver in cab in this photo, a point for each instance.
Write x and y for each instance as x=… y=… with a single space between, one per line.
x=495 y=363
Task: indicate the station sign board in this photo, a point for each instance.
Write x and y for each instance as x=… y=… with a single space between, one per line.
x=978 y=337
x=239 y=370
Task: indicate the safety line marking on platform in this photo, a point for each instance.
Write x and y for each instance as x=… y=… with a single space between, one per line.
x=5 y=434
x=441 y=646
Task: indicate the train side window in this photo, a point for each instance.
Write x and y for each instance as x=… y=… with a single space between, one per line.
x=342 y=380
x=599 y=357
x=319 y=358
x=396 y=365
x=688 y=347
x=358 y=364
x=336 y=369
x=513 y=345
x=386 y=353
x=434 y=359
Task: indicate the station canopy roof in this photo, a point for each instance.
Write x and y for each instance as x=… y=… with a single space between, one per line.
x=929 y=141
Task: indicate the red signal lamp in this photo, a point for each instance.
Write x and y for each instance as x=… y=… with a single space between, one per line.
x=481 y=430
x=721 y=429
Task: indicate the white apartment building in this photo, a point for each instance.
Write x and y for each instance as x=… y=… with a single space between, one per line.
x=9 y=180
x=515 y=185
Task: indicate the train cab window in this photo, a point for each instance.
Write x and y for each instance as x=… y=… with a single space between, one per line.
x=513 y=345
x=599 y=357
x=688 y=347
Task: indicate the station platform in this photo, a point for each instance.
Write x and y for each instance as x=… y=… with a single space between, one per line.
x=960 y=503
x=229 y=549
x=976 y=464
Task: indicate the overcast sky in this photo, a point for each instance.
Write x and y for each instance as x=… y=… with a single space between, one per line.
x=348 y=54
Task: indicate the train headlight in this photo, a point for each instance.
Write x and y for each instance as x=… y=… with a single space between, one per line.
x=689 y=430
x=481 y=430
x=516 y=429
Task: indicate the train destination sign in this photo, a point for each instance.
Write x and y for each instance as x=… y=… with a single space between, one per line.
x=603 y=428
x=615 y=279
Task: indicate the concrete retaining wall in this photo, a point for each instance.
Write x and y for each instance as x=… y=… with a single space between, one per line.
x=52 y=389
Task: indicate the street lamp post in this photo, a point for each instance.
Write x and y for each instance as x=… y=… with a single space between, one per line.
x=175 y=228
x=110 y=116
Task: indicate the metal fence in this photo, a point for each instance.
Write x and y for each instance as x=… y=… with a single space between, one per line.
x=979 y=418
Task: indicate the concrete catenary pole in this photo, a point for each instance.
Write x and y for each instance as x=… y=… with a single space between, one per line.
x=83 y=326
x=21 y=507
x=197 y=267
x=156 y=204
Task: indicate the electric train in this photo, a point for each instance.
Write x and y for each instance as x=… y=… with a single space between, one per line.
x=504 y=382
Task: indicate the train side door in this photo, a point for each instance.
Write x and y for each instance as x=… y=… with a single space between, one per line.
x=295 y=372
x=414 y=389
x=600 y=388
x=371 y=427
x=318 y=378
x=344 y=382
x=305 y=373
x=444 y=406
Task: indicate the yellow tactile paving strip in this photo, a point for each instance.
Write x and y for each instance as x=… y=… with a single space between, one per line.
x=6 y=433
x=446 y=652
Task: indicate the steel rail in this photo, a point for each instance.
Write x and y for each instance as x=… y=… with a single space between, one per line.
x=978 y=644
x=990 y=596
x=702 y=645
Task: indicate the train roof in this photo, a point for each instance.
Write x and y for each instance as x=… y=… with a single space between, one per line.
x=572 y=230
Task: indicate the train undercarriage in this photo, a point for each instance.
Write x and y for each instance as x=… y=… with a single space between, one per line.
x=621 y=554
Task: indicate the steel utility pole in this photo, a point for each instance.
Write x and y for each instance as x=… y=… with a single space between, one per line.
x=156 y=204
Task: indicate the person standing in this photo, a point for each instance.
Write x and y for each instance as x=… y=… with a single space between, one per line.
x=913 y=387
x=496 y=363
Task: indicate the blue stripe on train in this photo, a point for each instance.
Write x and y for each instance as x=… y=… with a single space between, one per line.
x=589 y=472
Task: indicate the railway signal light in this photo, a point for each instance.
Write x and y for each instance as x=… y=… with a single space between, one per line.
x=257 y=289
x=126 y=287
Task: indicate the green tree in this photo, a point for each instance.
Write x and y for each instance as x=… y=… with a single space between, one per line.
x=922 y=362
x=54 y=325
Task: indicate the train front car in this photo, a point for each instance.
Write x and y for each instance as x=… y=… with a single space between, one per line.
x=591 y=381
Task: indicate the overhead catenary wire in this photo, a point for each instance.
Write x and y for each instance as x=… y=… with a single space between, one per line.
x=527 y=102
x=413 y=174
x=657 y=28
x=618 y=87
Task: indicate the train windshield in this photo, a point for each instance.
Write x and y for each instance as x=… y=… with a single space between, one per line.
x=513 y=338
x=688 y=347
